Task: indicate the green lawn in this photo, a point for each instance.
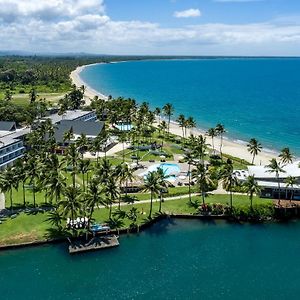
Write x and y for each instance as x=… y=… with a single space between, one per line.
x=32 y=227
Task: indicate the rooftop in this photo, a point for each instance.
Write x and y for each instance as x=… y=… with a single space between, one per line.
x=68 y=115
x=13 y=137
x=263 y=172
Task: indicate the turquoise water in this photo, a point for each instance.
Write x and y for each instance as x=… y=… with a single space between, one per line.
x=172 y=260
x=170 y=170
x=251 y=97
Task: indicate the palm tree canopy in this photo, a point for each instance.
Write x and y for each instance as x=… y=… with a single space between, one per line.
x=251 y=186
x=286 y=157
x=254 y=147
x=274 y=167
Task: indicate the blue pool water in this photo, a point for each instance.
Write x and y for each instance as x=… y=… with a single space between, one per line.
x=251 y=97
x=170 y=170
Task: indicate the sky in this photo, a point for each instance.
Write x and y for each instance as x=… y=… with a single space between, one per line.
x=152 y=27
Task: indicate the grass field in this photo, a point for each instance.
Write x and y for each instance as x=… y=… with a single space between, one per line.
x=33 y=227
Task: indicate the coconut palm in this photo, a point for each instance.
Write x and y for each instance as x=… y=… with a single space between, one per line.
x=190 y=123
x=71 y=204
x=254 y=147
x=290 y=181
x=56 y=184
x=83 y=167
x=229 y=179
x=8 y=183
x=55 y=218
x=157 y=112
x=93 y=198
x=124 y=174
x=199 y=147
x=189 y=159
x=33 y=174
x=220 y=129
x=286 y=157
x=251 y=187
x=275 y=167
x=181 y=122
x=111 y=191
x=168 y=111
x=152 y=185
x=164 y=183
x=203 y=179
x=211 y=132
x=21 y=174
x=71 y=159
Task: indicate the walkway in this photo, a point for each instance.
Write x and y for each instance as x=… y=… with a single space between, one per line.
x=2 y=201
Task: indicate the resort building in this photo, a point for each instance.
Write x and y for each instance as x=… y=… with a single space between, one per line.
x=11 y=143
x=269 y=182
x=72 y=115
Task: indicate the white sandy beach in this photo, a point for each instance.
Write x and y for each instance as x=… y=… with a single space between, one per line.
x=229 y=147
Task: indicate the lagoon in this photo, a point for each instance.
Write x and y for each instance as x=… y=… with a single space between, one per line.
x=175 y=259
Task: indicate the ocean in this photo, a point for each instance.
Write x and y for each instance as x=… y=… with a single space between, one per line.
x=252 y=97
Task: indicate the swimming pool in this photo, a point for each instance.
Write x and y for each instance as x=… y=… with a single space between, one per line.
x=171 y=170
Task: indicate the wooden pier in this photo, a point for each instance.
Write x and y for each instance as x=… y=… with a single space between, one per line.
x=96 y=243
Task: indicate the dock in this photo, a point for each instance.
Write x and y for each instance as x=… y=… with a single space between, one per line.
x=96 y=243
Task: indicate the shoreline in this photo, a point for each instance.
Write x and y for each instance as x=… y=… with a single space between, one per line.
x=230 y=146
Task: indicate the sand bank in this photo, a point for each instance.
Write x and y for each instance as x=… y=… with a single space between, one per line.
x=230 y=147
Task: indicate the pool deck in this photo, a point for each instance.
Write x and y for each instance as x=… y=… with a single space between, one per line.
x=97 y=243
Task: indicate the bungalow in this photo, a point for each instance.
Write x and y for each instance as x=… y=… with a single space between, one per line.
x=269 y=182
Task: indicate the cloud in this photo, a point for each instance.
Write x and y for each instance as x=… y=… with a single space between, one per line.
x=189 y=13
x=83 y=25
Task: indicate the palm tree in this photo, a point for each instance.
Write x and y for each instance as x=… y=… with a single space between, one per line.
x=220 y=129
x=32 y=172
x=228 y=179
x=168 y=110
x=211 y=132
x=163 y=127
x=182 y=122
x=55 y=218
x=93 y=198
x=254 y=147
x=7 y=183
x=56 y=184
x=157 y=112
x=199 y=147
x=286 y=157
x=164 y=183
x=112 y=192
x=71 y=204
x=71 y=159
x=275 y=167
x=152 y=185
x=84 y=167
x=251 y=187
x=189 y=159
x=190 y=123
x=21 y=174
x=203 y=179
x=124 y=173
x=290 y=182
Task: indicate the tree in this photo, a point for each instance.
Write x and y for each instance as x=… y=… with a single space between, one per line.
x=254 y=147
x=83 y=167
x=228 y=178
x=212 y=133
x=71 y=204
x=157 y=113
x=71 y=159
x=189 y=159
x=152 y=185
x=275 y=167
x=7 y=183
x=32 y=95
x=7 y=96
x=290 y=182
x=168 y=110
x=251 y=187
x=220 y=130
x=286 y=157
x=93 y=198
x=164 y=184
x=181 y=122
x=189 y=123
x=203 y=179
x=124 y=174
x=111 y=191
